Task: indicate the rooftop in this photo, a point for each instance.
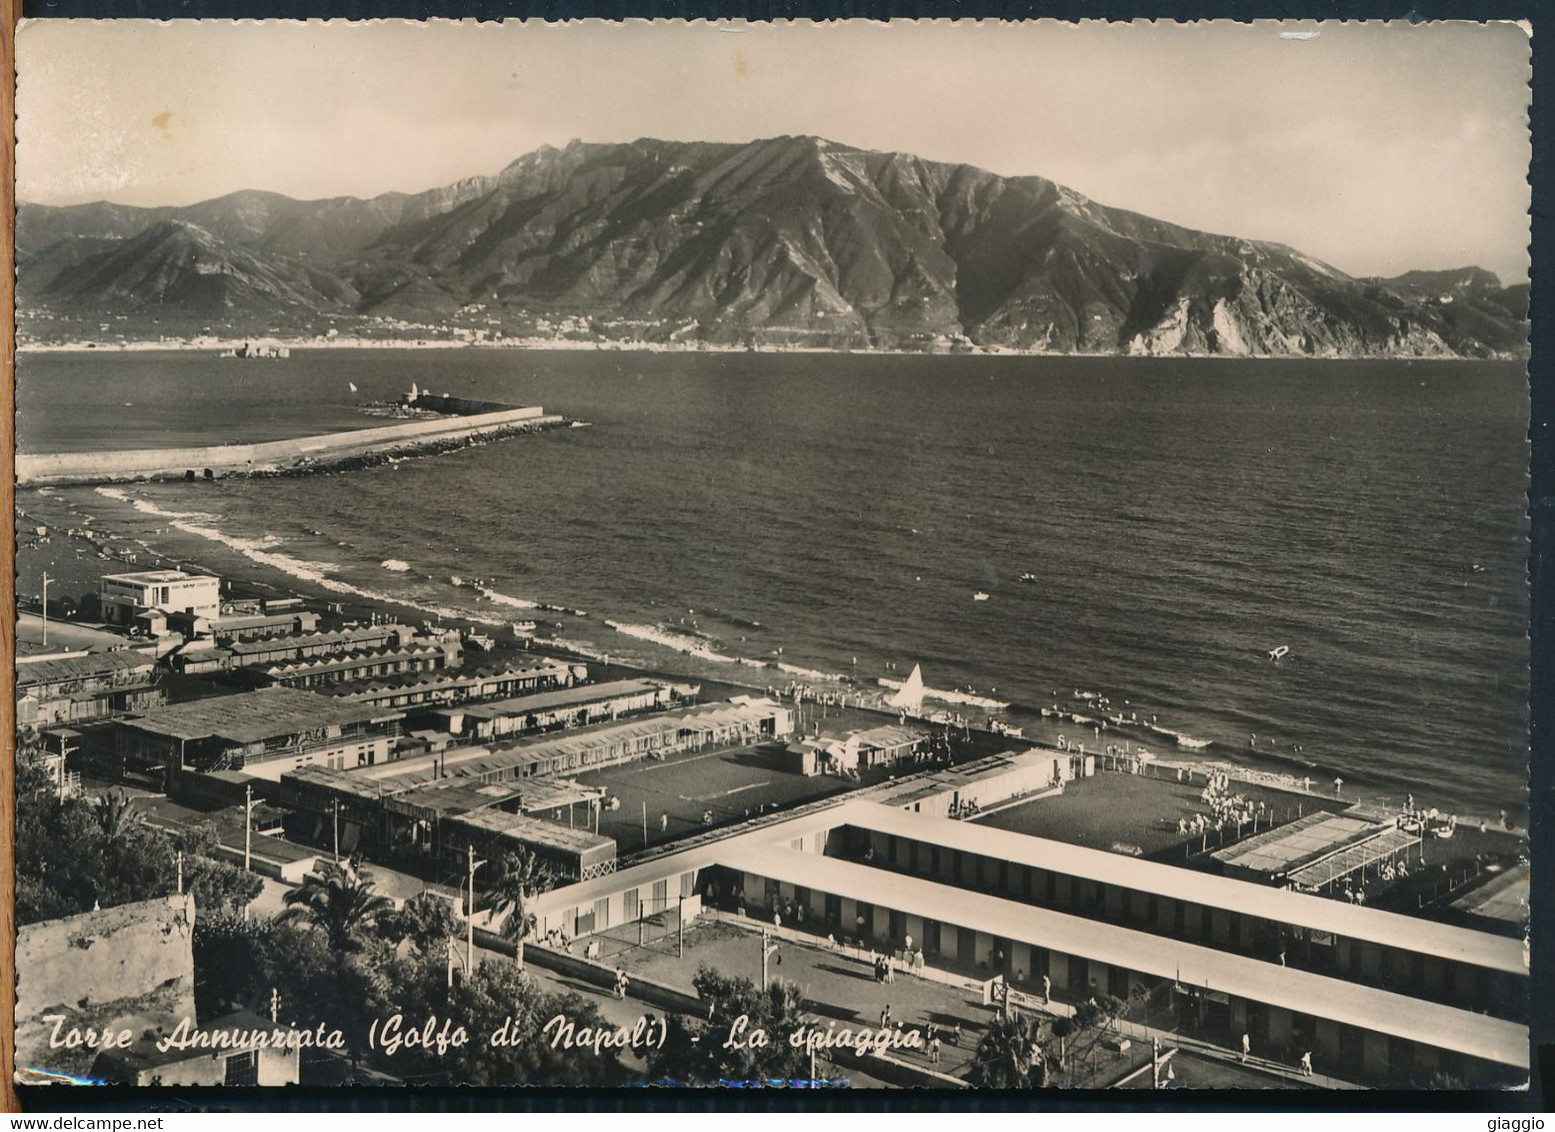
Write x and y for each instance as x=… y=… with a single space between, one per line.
x=544 y=701
x=1303 y=992
x=533 y=830
x=144 y=1054
x=475 y=763
x=251 y=717
x=157 y=577
x=903 y=793
x=1504 y=897
x=31 y=672
x=1279 y=905
x=442 y=678
x=240 y=649
x=1302 y=842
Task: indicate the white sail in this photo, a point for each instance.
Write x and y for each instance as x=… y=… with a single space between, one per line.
x=911 y=694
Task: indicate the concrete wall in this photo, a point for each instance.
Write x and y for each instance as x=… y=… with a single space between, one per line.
x=89 y=467
x=276 y=1067
x=98 y=969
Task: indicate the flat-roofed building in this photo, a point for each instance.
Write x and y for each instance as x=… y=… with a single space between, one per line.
x=971 y=915
x=955 y=791
x=229 y=627
x=1500 y=904
x=264 y=733
x=235 y=1049
x=323 y=671
x=569 y=707
x=1353 y=1030
x=166 y=591
x=80 y=689
x=859 y=750
x=302 y=646
x=442 y=687
x=574 y=853
x=1319 y=850
x=1434 y=961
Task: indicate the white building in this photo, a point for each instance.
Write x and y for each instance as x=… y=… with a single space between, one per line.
x=170 y=591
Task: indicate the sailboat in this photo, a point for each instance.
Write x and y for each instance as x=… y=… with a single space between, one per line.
x=910 y=695
x=354 y=389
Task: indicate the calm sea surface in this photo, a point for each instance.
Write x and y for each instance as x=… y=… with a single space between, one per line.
x=1181 y=518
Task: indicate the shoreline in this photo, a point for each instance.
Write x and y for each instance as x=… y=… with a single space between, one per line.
x=174 y=546
x=344 y=449
x=216 y=345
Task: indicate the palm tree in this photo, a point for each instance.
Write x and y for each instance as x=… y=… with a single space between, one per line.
x=1009 y=1056
x=519 y=877
x=339 y=901
x=116 y=816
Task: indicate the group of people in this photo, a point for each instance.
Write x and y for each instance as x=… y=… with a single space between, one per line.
x=788 y=912
x=1303 y=1064
x=966 y=809
x=1225 y=809
x=932 y=1042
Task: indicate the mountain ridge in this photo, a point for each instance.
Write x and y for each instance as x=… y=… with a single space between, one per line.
x=790 y=241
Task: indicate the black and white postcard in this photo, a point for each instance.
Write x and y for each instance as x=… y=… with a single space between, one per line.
x=849 y=556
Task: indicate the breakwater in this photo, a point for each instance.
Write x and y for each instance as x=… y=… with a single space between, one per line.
x=269 y=457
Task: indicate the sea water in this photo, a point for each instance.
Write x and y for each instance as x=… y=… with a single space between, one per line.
x=784 y=516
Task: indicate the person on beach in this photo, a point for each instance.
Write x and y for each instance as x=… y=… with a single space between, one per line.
x=1306 y=1064
x=1338 y=787
x=1247 y=1046
x=1047 y=989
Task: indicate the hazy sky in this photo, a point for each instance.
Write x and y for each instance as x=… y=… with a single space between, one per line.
x=1375 y=147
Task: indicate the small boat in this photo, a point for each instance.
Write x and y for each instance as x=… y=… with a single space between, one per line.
x=1028 y=577
x=1278 y=653
x=979 y=596
x=354 y=389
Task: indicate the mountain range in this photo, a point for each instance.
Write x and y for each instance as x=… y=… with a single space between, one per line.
x=792 y=241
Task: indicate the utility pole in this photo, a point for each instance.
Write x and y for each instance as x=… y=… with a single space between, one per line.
x=768 y=949
x=645 y=823
x=469 y=919
x=180 y=860
x=275 y=1004
x=65 y=752
x=680 y=929
x=248 y=826
x=46 y=581
x=335 y=806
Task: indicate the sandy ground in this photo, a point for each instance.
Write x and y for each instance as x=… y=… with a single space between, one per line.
x=1142 y=810
x=728 y=785
x=1137 y=809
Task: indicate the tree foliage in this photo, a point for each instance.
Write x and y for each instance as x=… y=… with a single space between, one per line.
x=517 y=877
x=498 y=999
x=722 y=1048
x=1010 y=1055
x=340 y=902
x=80 y=853
x=426 y=921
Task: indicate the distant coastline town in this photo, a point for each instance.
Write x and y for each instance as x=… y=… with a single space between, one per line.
x=303 y=816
